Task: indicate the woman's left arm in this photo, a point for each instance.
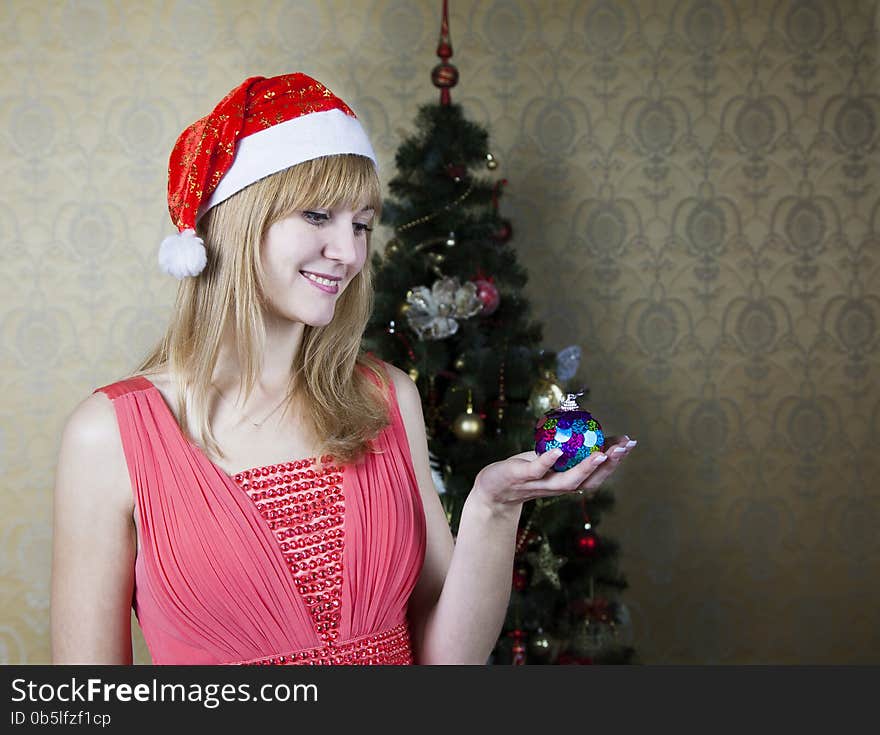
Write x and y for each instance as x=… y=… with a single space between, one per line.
x=458 y=606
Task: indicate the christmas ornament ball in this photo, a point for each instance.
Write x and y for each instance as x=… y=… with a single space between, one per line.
x=504 y=231
x=546 y=395
x=488 y=295
x=586 y=544
x=444 y=75
x=468 y=425
x=571 y=429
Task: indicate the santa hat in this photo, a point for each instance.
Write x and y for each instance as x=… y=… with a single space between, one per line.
x=261 y=127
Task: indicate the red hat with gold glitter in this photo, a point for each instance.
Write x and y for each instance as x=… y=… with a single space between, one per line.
x=261 y=127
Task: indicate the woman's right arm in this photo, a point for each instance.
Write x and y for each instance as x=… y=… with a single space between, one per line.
x=94 y=541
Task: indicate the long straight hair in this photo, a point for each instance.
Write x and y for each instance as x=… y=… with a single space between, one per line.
x=345 y=408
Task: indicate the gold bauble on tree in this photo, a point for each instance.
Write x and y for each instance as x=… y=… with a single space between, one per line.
x=392 y=247
x=468 y=425
x=546 y=394
x=460 y=363
x=402 y=309
x=414 y=374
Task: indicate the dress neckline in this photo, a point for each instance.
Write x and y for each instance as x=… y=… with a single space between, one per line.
x=201 y=452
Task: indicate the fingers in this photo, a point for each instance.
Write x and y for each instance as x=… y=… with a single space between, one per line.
x=525 y=455
x=615 y=452
x=611 y=442
x=543 y=463
x=570 y=479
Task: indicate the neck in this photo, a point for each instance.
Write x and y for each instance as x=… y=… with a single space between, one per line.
x=283 y=341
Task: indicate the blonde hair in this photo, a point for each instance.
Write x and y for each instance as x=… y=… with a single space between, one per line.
x=346 y=409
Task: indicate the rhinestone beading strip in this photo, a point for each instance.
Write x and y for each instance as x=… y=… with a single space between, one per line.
x=304 y=506
x=389 y=648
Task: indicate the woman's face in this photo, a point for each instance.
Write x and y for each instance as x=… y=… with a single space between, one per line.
x=308 y=260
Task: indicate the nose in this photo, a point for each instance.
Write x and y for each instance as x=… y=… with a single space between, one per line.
x=342 y=244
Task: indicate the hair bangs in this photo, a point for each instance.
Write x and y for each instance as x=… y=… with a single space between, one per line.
x=329 y=181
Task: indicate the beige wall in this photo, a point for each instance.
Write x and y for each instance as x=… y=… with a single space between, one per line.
x=693 y=185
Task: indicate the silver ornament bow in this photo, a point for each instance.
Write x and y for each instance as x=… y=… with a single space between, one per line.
x=434 y=314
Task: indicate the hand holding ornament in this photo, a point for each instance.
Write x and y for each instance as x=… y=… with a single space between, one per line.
x=528 y=475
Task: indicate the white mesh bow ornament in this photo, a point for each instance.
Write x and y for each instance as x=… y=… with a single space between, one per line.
x=567 y=362
x=434 y=314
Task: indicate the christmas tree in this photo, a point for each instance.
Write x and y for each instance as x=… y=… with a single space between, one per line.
x=450 y=311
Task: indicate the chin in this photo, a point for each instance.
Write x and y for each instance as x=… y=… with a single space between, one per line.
x=319 y=322
x=316 y=317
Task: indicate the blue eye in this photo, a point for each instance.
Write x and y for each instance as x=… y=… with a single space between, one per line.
x=316 y=218
x=319 y=218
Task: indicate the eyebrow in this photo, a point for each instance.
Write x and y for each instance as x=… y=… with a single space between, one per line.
x=367 y=209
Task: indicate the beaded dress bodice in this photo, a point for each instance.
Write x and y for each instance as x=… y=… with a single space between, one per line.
x=303 y=562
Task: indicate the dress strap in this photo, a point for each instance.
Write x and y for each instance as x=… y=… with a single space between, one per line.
x=122 y=387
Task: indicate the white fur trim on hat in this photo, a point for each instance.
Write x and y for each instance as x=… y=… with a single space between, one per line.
x=283 y=145
x=183 y=254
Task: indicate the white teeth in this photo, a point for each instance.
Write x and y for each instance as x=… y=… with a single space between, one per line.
x=318 y=279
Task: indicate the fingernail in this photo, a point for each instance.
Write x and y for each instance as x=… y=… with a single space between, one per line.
x=600 y=458
x=618 y=450
x=631 y=443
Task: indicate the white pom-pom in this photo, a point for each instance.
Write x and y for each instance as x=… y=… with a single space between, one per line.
x=183 y=254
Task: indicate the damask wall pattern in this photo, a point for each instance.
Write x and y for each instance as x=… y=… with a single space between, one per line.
x=694 y=186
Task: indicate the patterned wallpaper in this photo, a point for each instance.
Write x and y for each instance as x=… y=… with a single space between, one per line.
x=694 y=186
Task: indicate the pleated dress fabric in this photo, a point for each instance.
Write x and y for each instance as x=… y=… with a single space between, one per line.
x=304 y=562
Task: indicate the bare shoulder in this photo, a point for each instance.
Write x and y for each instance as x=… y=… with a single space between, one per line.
x=408 y=399
x=90 y=440
x=92 y=422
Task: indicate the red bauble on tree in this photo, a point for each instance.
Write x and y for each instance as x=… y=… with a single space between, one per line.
x=504 y=232
x=488 y=295
x=587 y=543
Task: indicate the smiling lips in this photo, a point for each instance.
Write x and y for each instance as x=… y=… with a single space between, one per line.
x=327 y=285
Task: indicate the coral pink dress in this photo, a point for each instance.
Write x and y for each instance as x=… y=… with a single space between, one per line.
x=304 y=562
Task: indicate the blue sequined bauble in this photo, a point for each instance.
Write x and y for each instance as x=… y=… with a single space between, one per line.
x=572 y=430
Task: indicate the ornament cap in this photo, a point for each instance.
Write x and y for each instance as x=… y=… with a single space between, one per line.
x=570 y=403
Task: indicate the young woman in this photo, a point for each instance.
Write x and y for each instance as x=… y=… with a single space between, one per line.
x=259 y=490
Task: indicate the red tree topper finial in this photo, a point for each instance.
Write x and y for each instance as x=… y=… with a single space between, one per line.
x=444 y=75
